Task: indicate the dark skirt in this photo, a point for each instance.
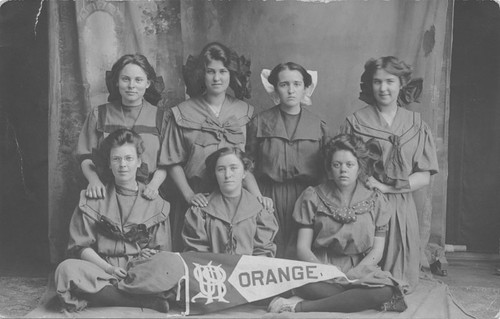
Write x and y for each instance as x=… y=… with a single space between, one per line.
x=284 y=196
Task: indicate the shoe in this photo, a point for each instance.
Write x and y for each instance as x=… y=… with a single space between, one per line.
x=279 y=305
x=156 y=303
x=161 y=305
x=397 y=303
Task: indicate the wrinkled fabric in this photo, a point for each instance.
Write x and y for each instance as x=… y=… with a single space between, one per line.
x=74 y=276
x=407 y=147
x=250 y=231
x=285 y=166
x=342 y=244
x=167 y=268
x=281 y=157
x=192 y=133
x=109 y=117
x=124 y=211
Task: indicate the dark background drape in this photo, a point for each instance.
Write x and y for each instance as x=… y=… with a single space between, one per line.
x=473 y=217
x=334 y=38
x=23 y=132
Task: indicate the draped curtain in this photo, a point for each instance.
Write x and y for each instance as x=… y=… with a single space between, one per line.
x=335 y=38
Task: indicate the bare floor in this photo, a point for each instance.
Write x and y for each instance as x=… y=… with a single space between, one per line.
x=471 y=279
x=473 y=282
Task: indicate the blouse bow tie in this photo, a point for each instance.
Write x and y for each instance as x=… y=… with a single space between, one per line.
x=230 y=130
x=395 y=168
x=395 y=140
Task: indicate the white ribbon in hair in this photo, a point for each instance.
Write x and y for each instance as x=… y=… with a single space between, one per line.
x=306 y=100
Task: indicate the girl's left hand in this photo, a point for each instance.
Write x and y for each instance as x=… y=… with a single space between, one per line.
x=117 y=272
x=148 y=252
x=266 y=202
x=150 y=193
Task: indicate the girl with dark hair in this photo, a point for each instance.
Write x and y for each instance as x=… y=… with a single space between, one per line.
x=233 y=221
x=285 y=142
x=132 y=96
x=343 y=223
x=409 y=156
x=107 y=234
x=209 y=120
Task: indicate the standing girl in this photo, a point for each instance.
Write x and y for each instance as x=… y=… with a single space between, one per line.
x=132 y=96
x=285 y=142
x=208 y=121
x=409 y=156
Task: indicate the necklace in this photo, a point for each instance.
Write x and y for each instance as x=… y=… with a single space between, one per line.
x=130 y=110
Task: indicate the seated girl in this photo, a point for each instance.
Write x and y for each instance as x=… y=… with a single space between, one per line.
x=233 y=221
x=107 y=234
x=343 y=223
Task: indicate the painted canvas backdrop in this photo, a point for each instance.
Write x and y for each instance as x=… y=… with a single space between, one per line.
x=334 y=38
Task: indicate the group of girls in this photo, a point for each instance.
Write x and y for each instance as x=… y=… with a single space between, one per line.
x=274 y=184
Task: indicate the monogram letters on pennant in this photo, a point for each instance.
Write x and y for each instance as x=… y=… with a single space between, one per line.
x=211 y=280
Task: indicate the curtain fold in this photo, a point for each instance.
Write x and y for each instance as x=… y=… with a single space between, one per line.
x=86 y=38
x=335 y=38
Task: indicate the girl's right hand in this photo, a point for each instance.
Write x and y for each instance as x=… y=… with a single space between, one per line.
x=117 y=272
x=95 y=190
x=373 y=183
x=198 y=200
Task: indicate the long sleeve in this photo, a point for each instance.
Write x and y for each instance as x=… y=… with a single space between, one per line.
x=173 y=149
x=427 y=161
x=345 y=128
x=89 y=137
x=326 y=133
x=382 y=213
x=161 y=237
x=194 y=233
x=267 y=227
x=251 y=145
x=82 y=233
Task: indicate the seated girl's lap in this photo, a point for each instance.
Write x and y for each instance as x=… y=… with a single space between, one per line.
x=71 y=269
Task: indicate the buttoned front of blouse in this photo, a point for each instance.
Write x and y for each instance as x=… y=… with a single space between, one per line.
x=282 y=158
x=250 y=232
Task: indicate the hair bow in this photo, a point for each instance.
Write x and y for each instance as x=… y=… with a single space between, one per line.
x=306 y=100
x=411 y=92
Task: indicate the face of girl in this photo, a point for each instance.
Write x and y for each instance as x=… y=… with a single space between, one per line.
x=290 y=88
x=216 y=78
x=230 y=173
x=344 y=168
x=386 y=88
x=132 y=84
x=124 y=162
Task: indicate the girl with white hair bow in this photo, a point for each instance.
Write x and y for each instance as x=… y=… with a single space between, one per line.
x=286 y=143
